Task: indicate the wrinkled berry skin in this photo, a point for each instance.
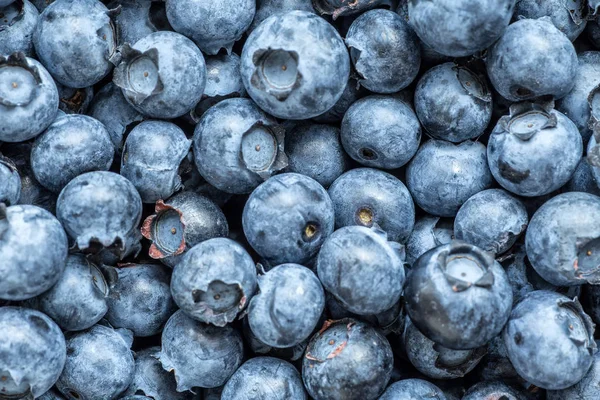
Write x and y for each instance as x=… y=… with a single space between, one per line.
x=429 y=232
x=214 y=281
x=71 y=146
x=99 y=365
x=32 y=352
x=268 y=8
x=587 y=388
x=532 y=59
x=366 y=196
x=295 y=65
x=459 y=28
x=493 y=390
x=583 y=180
x=287 y=307
x=562 y=239
x=568 y=337
x=443 y=175
x=453 y=103
x=384 y=50
x=199 y=354
x=99 y=209
x=74 y=40
x=16 y=34
x=357 y=365
x=27 y=113
x=569 y=19
x=264 y=378
x=413 y=389
x=381 y=132
x=10 y=182
x=287 y=218
x=458 y=296
x=134 y=21
x=33 y=250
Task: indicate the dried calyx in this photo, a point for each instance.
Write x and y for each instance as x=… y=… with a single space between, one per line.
x=577 y=324
x=465 y=266
x=526 y=119
x=262 y=149
x=219 y=302
x=473 y=83
x=12 y=14
x=276 y=72
x=165 y=228
x=338 y=8
x=19 y=81
x=137 y=73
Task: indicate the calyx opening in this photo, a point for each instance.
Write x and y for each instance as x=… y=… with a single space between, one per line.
x=276 y=72
x=19 y=82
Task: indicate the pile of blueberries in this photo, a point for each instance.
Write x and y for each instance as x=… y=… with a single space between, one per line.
x=299 y=199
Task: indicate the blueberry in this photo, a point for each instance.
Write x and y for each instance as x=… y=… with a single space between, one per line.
x=443 y=175
x=413 y=389
x=459 y=28
x=199 y=354
x=212 y=25
x=16 y=27
x=33 y=250
x=458 y=296
x=32 y=353
x=99 y=365
x=532 y=59
x=567 y=336
x=493 y=389
x=352 y=92
x=381 y=132
x=134 y=21
x=100 y=210
x=583 y=179
x=237 y=146
x=570 y=20
x=162 y=75
x=347 y=359
x=10 y=182
x=586 y=388
x=287 y=218
x=496 y=365
x=293 y=353
x=4 y=3
x=214 y=281
x=285 y=77
x=51 y=395
x=429 y=232
x=28 y=98
x=264 y=378
x=340 y=8
x=453 y=103
x=268 y=8
x=74 y=101
x=384 y=50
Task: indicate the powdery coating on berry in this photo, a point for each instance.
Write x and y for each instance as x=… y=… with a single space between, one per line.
x=569 y=18
x=340 y=8
x=290 y=354
x=16 y=34
x=413 y=389
x=134 y=21
x=352 y=92
x=587 y=388
x=10 y=182
x=583 y=179
x=268 y=8
x=429 y=232
x=494 y=390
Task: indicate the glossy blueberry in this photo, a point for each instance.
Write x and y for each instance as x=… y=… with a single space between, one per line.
x=134 y=21
x=587 y=388
x=33 y=250
x=443 y=175
x=429 y=232
x=493 y=390
x=351 y=93
x=570 y=19
x=340 y=8
x=32 y=353
x=162 y=75
x=289 y=79
x=71 y=146
x=74 y=39
x=212 y=25
x=453 y=103
x=583 y=179
x=28 y=98
x=381 y=132
x=459 y=28
x=287 y=218
x=10 y=182
x=237 y=146
x=347 y=359
x=264 y=378
x=100 y=210
x=199 y=354
x=384 y=50
x=567 y=336
x=16 y=27
x=99 y=365
x=413 y=389
x=532 y=59
x=214 y=281
x=268 y=8
x=458 y=296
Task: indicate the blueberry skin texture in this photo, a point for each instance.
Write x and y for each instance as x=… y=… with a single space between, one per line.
x=357 y=365
x=287 y=219
x=381 y=132
x=10 y=182
x=99 y=209
x=33 y=250
x=99 y=365
x=72 y=145
x=287 y=307
x=366 y=196
x=200 y=354
x=459 y=28
x=384 y=50
x=458 y=296
x=586 y=388
x=51 y=395
x=493 y=389
x=315 y=150
x=295 y=65
x=30 y=110
x=4 y=3
x=339 y=8
x=264 y=378
x=176 y=75
x=214 y=281
x=78 y=300
x=429 y=232
x=413 y=389
x=443 y=175
x=335 y=114
x=268 y=8
x=32 y=352
x=74 y=40
x=562 y=239
x=212 y=25
x=453 y=103
x=225 y=143
x=574 y=348
x=16 y=34
x=259 y=348
x=134 y=21
x=520 y=70
x=583 y=180
x=570 y=19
